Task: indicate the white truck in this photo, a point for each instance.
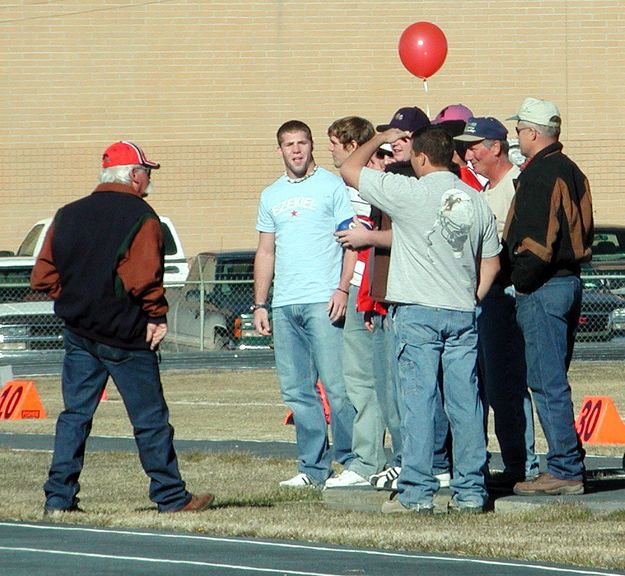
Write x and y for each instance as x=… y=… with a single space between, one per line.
x=27 y=319
x=176 y=265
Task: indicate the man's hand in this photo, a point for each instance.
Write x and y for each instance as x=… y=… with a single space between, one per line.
x=337 y=306
x=393 y=134
x=354 y=238
x=261 y=322
x=155 y=334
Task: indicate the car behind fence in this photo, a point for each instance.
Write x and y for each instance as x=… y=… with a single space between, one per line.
x=213 y=315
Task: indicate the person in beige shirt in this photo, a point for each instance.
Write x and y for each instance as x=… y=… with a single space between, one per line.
x=501 y=359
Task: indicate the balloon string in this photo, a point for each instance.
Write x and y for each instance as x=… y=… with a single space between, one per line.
x=425 y=89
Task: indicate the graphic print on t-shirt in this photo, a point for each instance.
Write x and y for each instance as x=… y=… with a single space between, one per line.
x=454 y=220
x=293 y=205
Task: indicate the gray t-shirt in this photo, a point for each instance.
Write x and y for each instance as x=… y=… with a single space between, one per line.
x=441 y=228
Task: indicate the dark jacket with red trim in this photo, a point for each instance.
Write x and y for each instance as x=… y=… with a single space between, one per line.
x=549 y=229
x=102 y=262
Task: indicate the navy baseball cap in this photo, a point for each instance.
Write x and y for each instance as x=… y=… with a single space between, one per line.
x=409 y=119
x=483 y=128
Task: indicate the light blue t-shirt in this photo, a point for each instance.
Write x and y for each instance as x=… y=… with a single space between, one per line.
x=304 y=216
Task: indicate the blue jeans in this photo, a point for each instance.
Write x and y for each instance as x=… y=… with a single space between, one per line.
x=504 y=381
x=368 y=431
x=428 y=339
x=307 y=347
x=385 y=367
x=440 y=461
x=86 y=368
x=548 y=319
x=391 y=407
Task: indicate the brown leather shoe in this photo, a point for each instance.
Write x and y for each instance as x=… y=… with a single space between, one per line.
x=548 y=484
x=197 y=503
x=56 y=512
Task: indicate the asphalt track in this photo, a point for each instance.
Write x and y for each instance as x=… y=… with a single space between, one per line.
x=48 y=549
x=62 y=550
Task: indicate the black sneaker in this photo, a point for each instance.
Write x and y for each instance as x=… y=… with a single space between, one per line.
x=502 y=481
x=386 y=480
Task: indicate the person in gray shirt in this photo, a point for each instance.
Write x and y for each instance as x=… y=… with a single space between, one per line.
x=445 y=257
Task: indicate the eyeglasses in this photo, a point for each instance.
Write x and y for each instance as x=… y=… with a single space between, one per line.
x=519 y=130
x=148 y=171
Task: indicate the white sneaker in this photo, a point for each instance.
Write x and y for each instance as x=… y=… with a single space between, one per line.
x=300 y=480
x=386 y=480
x=443 y=479
x=345 y=479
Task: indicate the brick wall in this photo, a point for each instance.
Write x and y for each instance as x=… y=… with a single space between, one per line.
x=203 y=86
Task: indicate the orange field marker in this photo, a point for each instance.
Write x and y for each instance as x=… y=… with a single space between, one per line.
x=288 y=419
x=324 y=400
x=104 y=397
x=19 y=399
x=599 y=422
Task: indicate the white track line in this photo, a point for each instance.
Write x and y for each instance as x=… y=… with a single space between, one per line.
x=167 y=561
x=555 y=569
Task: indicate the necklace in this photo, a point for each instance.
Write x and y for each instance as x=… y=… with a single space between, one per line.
x=298 y=180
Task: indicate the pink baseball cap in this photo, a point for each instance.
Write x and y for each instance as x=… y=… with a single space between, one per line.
x=453 y=112
x=125 y=153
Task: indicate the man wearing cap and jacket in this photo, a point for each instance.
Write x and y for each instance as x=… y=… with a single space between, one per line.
x=502 y=359
x=102 y=263
x=549 y=232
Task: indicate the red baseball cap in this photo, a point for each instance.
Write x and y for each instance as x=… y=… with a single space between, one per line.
x=124 y=153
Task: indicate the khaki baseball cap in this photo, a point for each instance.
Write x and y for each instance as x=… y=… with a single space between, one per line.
x=537 y=111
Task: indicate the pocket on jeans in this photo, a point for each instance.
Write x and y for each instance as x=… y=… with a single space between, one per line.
x=114 y=355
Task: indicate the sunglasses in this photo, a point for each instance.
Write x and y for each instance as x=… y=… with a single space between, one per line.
x=148 y=171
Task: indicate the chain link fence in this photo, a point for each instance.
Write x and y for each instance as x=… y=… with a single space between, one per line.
x=223 y=322
x=27 y=320
x=214 y=315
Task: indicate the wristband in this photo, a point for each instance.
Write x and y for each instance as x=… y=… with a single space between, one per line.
x=344 y=291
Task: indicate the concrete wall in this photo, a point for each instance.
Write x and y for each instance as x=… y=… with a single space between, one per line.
x=203 y=86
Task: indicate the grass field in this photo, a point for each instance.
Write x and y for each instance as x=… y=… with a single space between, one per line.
x=247 y=406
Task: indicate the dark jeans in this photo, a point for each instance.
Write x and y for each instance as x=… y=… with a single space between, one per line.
x=86 y=368
x=504 y=381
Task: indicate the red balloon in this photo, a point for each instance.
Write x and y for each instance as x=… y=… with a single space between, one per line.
x=422 y=49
